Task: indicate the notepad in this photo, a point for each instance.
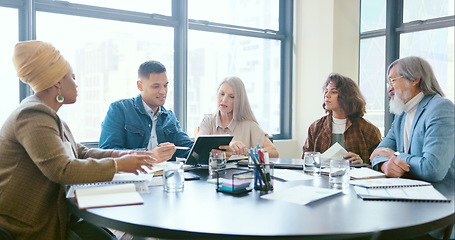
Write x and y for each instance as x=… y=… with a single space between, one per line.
x=108 y=196
x=365 y=173
x=420 y=193
x=389 y=183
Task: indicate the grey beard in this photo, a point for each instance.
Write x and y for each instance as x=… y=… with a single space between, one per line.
x=396 y=105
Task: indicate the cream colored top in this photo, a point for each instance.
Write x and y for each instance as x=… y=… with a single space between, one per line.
x=248 y=132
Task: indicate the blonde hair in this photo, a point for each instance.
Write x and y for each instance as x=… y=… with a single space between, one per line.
x=242 y=109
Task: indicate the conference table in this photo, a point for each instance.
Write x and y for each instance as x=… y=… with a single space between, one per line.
x=202 y=212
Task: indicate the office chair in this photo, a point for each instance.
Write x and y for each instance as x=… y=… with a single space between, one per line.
x=5 y=234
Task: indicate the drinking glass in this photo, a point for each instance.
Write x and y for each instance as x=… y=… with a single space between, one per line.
x=312 y=163
x=339 y=173
x=217 y=161
x=173 y=178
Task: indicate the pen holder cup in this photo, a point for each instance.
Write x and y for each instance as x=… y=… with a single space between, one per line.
x=263 y=177
x=233 y=181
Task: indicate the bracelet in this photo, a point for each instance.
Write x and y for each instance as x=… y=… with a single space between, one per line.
x=116 y=167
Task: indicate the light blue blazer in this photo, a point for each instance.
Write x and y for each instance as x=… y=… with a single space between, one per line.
x=431 y=143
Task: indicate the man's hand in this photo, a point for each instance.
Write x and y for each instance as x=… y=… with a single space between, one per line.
x=395 y=167
x=163 y=152
x=353 y=158
x=386 y=152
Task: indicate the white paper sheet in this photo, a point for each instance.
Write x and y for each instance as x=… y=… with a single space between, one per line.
x=336 y=152
x=301 y=194
x=290 y=175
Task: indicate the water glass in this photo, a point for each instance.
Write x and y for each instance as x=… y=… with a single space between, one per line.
x=173 y=178
x=217 y=161
x=312 y=163
x=339 y=174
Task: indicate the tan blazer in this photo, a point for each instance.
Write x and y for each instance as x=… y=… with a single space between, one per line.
x=34 y=167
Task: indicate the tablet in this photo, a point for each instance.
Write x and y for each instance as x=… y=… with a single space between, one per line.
x=199 y=154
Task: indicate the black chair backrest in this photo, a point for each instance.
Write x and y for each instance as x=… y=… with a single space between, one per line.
x=5 y=234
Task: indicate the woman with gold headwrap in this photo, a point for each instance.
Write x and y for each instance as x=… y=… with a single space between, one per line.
x=38 y=154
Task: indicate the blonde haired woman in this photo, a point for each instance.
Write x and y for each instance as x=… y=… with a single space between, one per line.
x=235 y=117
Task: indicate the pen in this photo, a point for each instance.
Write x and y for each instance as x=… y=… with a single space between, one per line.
x=176 y=147
x=182 y=148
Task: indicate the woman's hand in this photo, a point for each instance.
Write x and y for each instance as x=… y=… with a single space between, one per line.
x=119 y=153
x=353 y=158
x=238 y=148
x=226 y=149
x=133 y=163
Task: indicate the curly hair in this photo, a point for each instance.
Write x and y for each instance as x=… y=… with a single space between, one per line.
x=350 y=99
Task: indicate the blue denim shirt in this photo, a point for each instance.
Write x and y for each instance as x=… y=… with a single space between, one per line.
x=127 y=126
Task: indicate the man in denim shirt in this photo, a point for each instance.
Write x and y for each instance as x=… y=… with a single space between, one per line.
x=142 y=122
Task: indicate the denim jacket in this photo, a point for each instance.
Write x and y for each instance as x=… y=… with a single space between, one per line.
x=128 y=126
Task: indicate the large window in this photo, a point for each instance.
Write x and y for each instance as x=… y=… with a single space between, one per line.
x=372 y=67
x=105 y=56
x=372 y=61
x=426 y=29
x=9 y=92
x=256 y=14
x=199 y=41
x=212 y=57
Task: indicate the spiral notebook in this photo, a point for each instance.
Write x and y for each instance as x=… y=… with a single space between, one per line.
x=388 y=183
x=419 y=194
x=397 y=189
x=141 y=182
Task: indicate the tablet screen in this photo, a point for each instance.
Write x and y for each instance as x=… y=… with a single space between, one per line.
x=199 y=154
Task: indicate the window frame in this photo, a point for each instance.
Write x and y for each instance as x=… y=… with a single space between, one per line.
x=394 y=28
x=181 y=24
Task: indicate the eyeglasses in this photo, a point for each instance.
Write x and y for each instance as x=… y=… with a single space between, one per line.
x=390 y=81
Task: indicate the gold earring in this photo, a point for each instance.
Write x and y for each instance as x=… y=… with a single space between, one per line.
x=59 y=97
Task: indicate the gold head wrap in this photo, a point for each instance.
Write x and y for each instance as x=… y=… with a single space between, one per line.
x=39 y=64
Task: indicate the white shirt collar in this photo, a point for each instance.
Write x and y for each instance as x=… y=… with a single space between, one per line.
x=231 y=125
x=412 y=104
x=150 y=111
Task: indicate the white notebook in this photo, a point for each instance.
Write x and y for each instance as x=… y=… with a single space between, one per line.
x=388 y=183
x=420 y=193
x=108 y=196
